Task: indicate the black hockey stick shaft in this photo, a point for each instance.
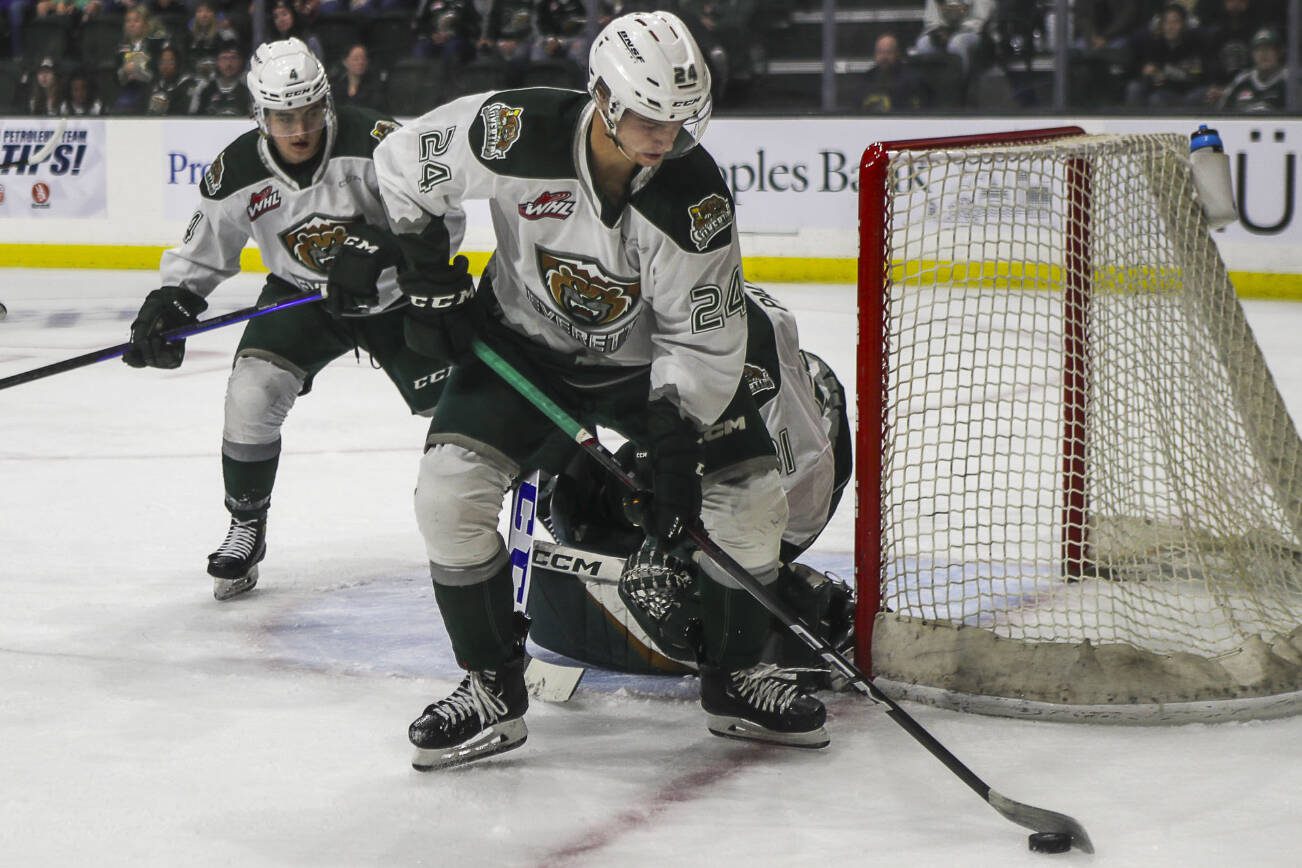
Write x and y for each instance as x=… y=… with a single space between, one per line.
x=175 y=334
x=1029 y=816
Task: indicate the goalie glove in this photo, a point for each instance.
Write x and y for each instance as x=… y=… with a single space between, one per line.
x=163 y=310
x=659 y=591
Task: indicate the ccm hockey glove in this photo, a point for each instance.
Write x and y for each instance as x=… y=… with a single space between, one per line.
x=163 y=309
x=355 y=270
x=675 y=455
x=440 y=321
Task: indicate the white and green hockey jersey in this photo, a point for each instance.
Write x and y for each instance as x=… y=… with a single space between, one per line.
x=298 y=228
x=657 y=282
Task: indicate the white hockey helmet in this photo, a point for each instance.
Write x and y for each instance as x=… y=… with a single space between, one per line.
x=648 y=63
x=286 y=76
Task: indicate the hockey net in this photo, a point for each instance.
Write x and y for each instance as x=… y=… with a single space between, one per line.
x=1079 y=491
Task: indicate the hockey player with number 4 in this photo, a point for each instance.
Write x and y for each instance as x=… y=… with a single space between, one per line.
x=616 y=287
x=303 y=186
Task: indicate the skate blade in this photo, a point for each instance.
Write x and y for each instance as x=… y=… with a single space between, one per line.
x=498 y=738
x=745 y=730
x=225 y=589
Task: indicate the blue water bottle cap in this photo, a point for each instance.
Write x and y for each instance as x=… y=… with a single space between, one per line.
x=1205 y=138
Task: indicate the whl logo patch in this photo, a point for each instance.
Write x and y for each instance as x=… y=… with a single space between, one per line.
x=502 y=125
x=266 y=199
x=558 y=205
x=709 y=217
x=313 y=242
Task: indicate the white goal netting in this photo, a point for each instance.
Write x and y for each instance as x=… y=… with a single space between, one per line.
x=1091 y=492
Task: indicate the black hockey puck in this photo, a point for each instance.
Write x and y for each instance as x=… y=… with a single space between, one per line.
x=1049 y=842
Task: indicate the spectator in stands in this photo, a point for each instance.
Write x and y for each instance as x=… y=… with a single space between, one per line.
x=509 y=32
x=358 y=84
x=890 y=85
x=224 y=94
x=137 y=59
x=955 y=27
x=1174 y=68
x=447 y=30
x=207 y=34
x=174 y=89
x=1107 y=24
x=353 y=7
x=1229 y=27
x=285 y=24
x=561 y=25
x=81 y=101
x=45 y=97
x=1261 y=88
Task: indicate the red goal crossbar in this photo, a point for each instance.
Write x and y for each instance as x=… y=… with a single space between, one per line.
x=872 y=365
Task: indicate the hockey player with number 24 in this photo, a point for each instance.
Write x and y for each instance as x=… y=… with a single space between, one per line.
x=616 y=286
x=303 y=186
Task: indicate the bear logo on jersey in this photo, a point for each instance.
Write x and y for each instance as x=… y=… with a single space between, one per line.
x=314 y=241
x=502 y=125
x=585 y=292
x=710 y=216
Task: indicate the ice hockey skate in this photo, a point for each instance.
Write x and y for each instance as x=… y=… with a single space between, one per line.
x=234 y=566
x=482 y=717
x=762 y=703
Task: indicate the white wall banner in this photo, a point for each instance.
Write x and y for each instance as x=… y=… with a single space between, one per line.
x=70 y=183
x=189 y=147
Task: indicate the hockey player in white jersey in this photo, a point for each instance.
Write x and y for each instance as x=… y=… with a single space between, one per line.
x=301 y=185
x=650 y=624
x=617 y=287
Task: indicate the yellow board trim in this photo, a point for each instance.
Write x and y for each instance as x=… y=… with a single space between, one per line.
x=759 y=269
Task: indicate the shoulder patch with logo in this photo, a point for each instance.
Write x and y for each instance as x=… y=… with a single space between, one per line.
x=588 y=303
x=382 y=129
x=266 y=199
x=502 y=125
x=557 y=205
x=314 y=241
x=758 y=381
x=709 y=217
x=212 y=179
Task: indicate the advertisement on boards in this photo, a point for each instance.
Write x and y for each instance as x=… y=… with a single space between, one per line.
x=189 y=147
x=70 y=182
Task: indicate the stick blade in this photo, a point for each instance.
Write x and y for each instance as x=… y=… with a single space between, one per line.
x=551 y=682
x=1041 y=820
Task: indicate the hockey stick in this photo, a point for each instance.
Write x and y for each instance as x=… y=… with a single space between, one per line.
x=42 y=153
x=175 y=334
x=1029 y=816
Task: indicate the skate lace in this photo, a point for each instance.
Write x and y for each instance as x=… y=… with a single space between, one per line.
x=767 y=687
x=241 y=539
x=472 y=697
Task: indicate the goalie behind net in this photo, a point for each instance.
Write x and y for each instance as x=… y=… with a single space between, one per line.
x=1088 y=500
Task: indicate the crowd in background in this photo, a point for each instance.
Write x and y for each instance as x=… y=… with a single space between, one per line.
x=174 y=57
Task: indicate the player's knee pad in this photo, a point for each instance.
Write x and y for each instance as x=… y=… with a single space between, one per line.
x=458 y=501
x=746 y=517
x=259 y=395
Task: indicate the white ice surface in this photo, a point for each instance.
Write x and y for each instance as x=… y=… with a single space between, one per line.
x=142 y=723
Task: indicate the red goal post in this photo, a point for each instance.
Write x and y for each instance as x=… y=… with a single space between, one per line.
x=1010 y=284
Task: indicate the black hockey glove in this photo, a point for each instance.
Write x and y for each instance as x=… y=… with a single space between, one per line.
x=675 y=455
x=164 y=309
x=355 y=270
x=440 y=321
